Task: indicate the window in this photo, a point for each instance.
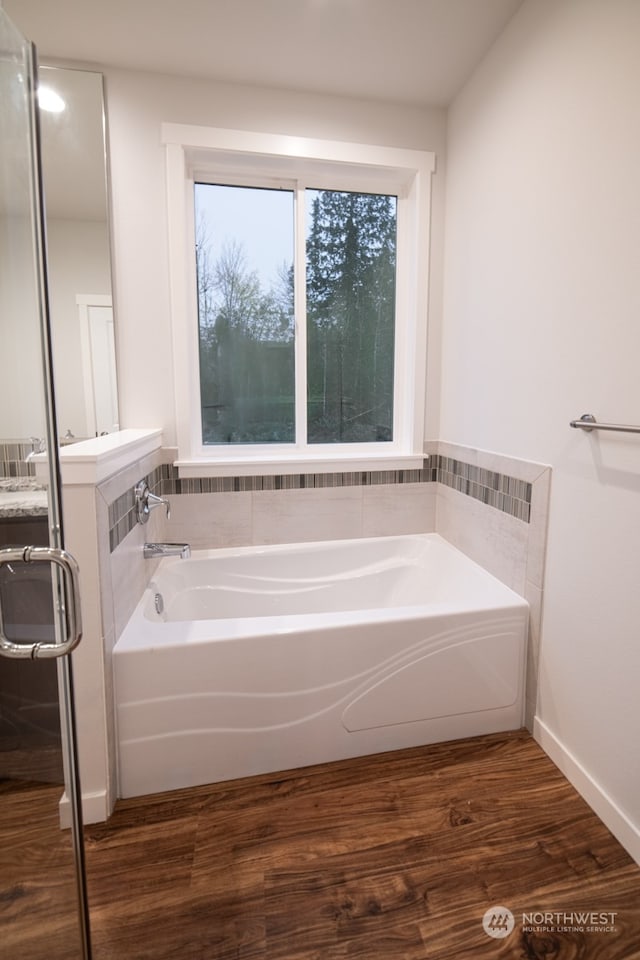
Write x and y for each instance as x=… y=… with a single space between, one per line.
x=246 y=294
x=298 y=274
x=244 y=247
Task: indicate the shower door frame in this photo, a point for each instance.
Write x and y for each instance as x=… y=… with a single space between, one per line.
x=26 y=58
x=56 y=532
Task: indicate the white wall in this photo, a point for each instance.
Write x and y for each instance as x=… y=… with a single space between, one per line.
x=78 y=259
x=22 y=412
x=79 y=262
x=541 y=324
x=137 y=104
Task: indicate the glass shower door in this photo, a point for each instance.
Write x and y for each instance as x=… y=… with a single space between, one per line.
x=43 y=912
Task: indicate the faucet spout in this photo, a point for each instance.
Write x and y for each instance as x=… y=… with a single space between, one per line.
x=157 y=550
x=37 y=446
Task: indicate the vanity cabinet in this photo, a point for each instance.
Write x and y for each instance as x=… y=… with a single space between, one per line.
x=29 y=714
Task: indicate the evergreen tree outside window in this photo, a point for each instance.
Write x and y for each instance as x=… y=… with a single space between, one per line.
x=245 y=276
x=351 y=280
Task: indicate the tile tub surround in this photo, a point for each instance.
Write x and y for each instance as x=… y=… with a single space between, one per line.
x=165 y=482
x=506 y=493
x=519 y=490
x=501 y=491
x=512 y=550
x=13 y=458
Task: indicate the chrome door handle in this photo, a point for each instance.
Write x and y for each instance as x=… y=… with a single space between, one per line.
x=68 y=592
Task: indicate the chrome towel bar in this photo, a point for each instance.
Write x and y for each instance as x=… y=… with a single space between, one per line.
x=588 y=422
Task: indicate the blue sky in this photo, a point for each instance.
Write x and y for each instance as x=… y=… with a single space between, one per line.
x=259 y=219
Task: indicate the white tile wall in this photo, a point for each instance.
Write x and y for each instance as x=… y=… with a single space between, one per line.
x=537 y=544
x=393 y=509
x=533 y=595
x=130 y=572
x=329 y=513
x=511 y=550
x=492 y=538
x=208 y=520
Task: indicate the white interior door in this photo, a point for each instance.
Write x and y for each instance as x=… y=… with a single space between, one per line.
x=98 y=363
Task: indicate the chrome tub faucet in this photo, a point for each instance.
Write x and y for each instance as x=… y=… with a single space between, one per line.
x=157 y=550
x=146 y=501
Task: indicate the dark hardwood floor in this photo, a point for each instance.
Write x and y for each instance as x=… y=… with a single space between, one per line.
x=396 y=856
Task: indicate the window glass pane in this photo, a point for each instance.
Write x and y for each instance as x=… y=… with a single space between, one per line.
x=351 y=270
x=244 y=255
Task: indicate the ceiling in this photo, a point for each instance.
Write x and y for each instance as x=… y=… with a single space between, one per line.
x=408 y=51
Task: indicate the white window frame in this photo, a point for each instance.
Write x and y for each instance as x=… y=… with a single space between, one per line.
x=200 y=154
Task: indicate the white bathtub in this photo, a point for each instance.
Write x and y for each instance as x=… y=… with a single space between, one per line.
x=267 y=658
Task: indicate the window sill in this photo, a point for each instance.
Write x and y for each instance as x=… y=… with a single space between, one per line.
x=265 y=466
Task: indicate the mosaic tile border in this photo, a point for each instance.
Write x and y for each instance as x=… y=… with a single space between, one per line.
x=497 y=490
x=295 y=481
x=122 y=517
x=13 y=458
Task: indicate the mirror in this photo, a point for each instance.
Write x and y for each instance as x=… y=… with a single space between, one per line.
x=75 y=187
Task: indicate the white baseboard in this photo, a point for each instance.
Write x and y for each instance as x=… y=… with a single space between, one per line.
x=95 y=808
x=626 y=832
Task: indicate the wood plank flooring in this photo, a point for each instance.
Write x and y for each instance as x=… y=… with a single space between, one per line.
x=393 y=857
x=37 y=878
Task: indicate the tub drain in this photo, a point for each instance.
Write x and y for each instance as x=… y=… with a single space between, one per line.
x=159 y=603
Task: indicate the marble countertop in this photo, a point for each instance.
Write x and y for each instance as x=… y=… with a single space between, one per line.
x=22 y=497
